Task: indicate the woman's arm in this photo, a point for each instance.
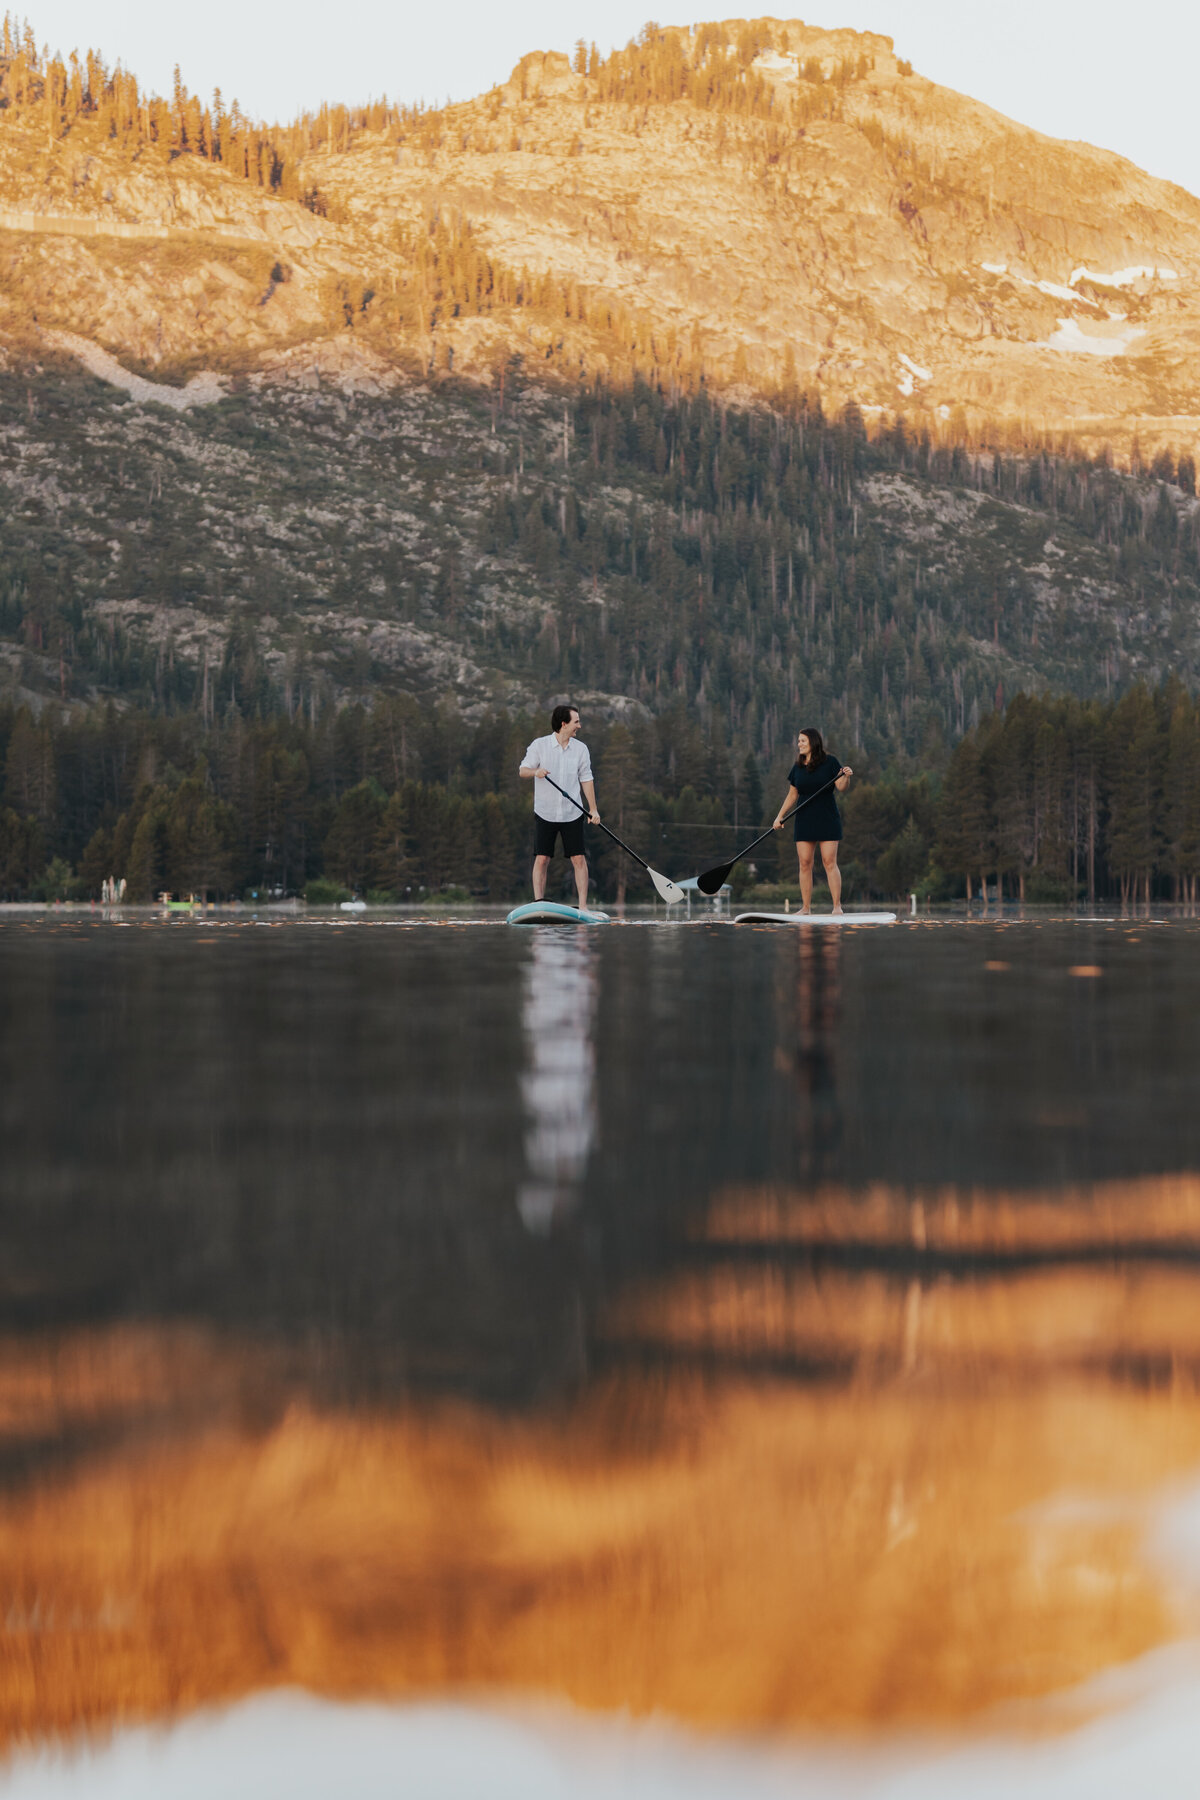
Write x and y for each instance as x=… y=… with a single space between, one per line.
x=789 y=799
x=843 y=780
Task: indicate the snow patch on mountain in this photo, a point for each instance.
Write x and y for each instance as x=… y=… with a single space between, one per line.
x=770 y=62
x=912 y=373
x=1072 y=339
x=1122 y=277
x=1055 y=289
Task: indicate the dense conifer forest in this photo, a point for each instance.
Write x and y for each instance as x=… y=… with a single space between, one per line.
x=752 y=564
x=734 y=573
x=1050 y=801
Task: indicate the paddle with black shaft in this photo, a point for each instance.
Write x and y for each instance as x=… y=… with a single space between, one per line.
x=667 y=890
x=714 y=879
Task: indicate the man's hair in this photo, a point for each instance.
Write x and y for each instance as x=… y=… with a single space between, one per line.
x=560 y=716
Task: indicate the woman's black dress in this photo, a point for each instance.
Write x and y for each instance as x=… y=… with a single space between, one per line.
x=819 y=822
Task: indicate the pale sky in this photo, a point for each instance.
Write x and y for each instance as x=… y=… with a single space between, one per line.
x=1110 y=74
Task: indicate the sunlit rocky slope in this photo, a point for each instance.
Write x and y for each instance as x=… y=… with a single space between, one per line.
x=736 y=198
x=536 y=392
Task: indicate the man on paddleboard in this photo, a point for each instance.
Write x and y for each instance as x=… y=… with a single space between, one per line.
x=566 y=761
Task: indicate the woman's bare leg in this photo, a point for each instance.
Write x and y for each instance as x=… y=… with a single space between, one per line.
x=804 y=856
x=833 y=874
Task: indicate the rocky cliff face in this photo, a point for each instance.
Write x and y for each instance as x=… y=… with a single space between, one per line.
x=806 y=208
x=754 y=210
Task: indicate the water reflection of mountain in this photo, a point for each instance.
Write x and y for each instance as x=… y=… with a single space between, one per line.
x=931 y=1537
x=813 y=1379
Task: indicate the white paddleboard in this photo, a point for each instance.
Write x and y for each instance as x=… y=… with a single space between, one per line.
x=551 y=912
x=799 y=918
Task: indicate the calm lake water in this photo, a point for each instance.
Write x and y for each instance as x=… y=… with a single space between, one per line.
x=660 y=1358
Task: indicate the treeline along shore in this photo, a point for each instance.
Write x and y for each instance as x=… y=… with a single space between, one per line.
x=1047 y=800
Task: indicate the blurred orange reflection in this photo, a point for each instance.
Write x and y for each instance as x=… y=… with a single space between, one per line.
x=180 y=1523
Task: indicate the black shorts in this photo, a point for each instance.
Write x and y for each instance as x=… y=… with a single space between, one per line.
x=545 y=832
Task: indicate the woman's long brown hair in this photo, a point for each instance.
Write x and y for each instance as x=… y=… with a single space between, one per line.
x=816 y=746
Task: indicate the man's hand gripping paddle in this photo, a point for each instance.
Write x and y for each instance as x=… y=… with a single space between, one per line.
x=667 y=890
x=714 y=879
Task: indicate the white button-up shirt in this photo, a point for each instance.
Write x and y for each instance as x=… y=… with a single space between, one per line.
x=569 y=767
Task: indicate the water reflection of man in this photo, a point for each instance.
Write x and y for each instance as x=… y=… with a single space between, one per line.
x=558 y=1088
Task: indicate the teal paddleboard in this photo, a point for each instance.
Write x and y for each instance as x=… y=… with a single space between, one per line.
x=550 y=912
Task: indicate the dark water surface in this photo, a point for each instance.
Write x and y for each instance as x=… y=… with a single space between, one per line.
x=582 y=1198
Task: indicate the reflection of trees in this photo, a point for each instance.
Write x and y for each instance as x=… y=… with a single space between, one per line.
x=966 y=1286
x=558 y=1088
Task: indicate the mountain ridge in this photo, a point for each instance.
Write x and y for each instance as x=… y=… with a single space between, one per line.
x=345 y=431
x=748 y=202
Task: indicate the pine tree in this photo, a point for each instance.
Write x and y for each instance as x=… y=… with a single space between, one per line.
x=619 y=793
x=351 y=844
x=1135 y=754
x=30 y=785
x=965 y=830
x=22 y=854
x=752 y=790
x=1181 y=800
x=392 y=865
x=150 y=848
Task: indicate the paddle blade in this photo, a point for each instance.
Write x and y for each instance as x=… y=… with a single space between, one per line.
x=713 y=880
x=667 y=890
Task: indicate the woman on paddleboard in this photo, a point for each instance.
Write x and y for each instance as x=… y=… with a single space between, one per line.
x=814 y=780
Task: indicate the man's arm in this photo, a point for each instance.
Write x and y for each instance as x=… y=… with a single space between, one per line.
x=589 y=794
x=529 y=774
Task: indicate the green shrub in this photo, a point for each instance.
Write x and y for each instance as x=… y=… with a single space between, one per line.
x=1044 y=889
x=936 y=886
x=57 y=883
x=774 y=893
x=325 y=893
x=449 y=896
x=904 y=861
